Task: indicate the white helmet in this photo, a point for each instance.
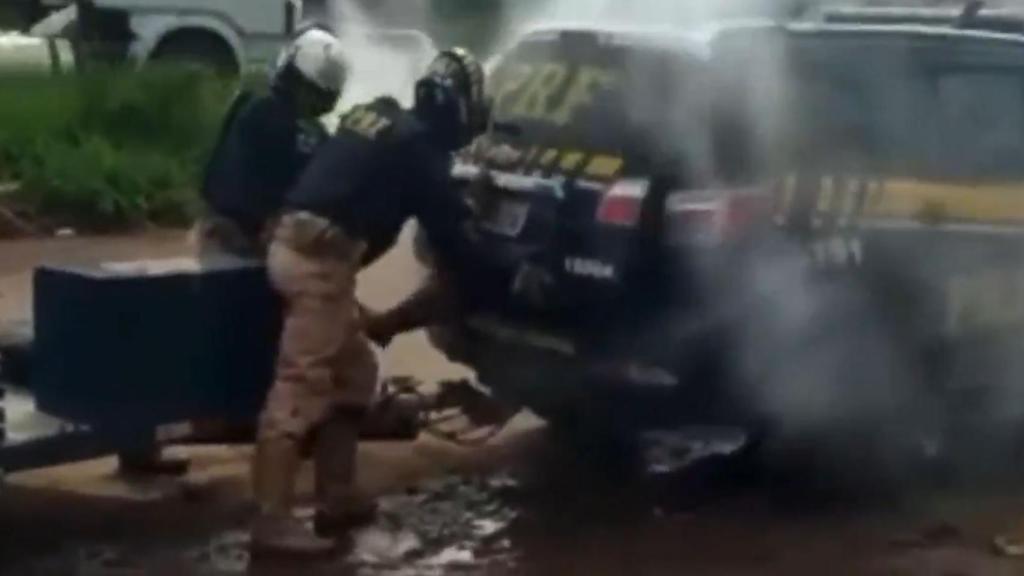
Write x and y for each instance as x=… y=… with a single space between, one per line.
x=316 y=56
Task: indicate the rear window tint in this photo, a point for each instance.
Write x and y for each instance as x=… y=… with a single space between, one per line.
x=910 y=108
x=887 y=104
x=981 y=119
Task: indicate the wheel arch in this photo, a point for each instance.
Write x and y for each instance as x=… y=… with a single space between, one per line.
x=154 y=33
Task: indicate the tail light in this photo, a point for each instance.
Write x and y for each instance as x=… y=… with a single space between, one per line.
x=711 y=219
x=622 y=204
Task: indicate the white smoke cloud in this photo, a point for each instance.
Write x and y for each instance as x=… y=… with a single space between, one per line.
x=652 y=11
x=674 y=13
x=383 y=61
x=814 y=354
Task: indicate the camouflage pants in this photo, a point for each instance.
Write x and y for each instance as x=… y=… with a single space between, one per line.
x=216 y=235
x=325 y=362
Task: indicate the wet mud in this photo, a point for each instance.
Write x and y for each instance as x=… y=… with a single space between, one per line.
x=525 y=505
x=543 y=510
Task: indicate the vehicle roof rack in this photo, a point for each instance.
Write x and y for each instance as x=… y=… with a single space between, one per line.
x=973 y=16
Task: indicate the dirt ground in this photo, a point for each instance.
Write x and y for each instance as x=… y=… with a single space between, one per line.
x=521 y=505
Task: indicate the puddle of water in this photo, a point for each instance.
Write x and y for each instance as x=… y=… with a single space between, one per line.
x=463 y=525
x=226 y=553
x=455 y=524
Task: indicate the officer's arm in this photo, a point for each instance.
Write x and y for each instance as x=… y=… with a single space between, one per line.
x=434 y=302
x=444 y=216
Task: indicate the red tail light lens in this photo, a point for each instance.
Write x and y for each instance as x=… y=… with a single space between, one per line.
x=711 y=221
x=622 y=203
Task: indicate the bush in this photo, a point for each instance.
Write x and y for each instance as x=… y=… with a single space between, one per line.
x=109 y=148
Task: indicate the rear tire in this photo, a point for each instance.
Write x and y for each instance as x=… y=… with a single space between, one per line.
x=597 y=437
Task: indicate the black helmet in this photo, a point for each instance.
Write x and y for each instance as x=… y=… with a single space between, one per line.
x=450 y=96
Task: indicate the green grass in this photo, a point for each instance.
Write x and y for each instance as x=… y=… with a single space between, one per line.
x=109 y=149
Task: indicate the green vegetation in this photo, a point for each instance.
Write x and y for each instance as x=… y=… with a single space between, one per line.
x=107 y=149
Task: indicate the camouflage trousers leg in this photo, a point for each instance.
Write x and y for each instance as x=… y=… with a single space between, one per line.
x=325 y=362
x=325 y=366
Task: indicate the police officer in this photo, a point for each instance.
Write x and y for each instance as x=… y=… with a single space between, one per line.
x=384 y=166
x=265 y=144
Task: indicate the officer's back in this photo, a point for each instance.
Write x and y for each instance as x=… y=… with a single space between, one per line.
x=372 y=175
x=265 y=144
x=257 y=160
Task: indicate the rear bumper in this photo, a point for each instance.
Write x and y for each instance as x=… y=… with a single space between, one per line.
x=547 y=372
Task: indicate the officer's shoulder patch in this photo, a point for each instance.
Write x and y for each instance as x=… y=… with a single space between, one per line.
x=366 y=122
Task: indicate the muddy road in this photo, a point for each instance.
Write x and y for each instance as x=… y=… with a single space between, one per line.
x=522 y=505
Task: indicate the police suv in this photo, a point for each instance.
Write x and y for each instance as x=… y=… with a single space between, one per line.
x=756 y=223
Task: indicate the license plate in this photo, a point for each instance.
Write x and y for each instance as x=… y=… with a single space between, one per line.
x=508 y=218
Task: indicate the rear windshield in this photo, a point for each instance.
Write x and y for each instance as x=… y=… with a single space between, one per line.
x=574 y=95
x=905 y=106
x=890 y=104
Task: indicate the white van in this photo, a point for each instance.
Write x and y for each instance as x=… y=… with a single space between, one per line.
x=228 y=35
x=21 y=53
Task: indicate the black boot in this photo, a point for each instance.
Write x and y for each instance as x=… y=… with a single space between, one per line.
x=276 y=530
x=341 y=505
